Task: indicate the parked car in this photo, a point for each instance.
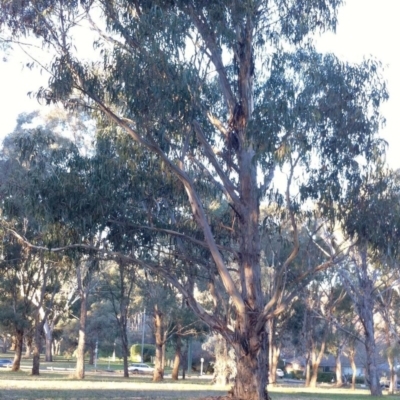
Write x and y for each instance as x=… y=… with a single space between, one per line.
x=5 y=362
x=140 y=368
x=279 y=373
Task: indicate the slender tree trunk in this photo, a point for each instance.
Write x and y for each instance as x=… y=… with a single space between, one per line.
x=316 y=360
x=5 y=344
x=48 y=334
x=272 y=365
x=36 y=350
x=159 y=336
x=391 y=375
x=338 y=361
x=28 y=345
x=125 y=348
x=92 y=347
x=80 y=352
x=177 y=359
x=365 y=306
x=372 y=370
x=276 y=351
x=18 y=341
x=352 y=357
x=163 y=349
x=308 y=372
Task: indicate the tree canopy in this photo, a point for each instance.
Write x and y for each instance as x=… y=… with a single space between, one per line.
x=216 y=96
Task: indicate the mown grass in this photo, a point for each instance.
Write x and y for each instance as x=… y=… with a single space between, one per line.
x=62 y=386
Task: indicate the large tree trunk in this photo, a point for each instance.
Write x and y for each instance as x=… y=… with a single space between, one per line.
x=159 y=336
x=177 y=359
x=18 y=343
x=251 y=346
x=252 y=369
x=80 y=352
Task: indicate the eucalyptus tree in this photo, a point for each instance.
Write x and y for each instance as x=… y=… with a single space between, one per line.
x=217 y=91
x=16 y=309
x=48 y=192
x=370 y=218
x=118 y=283
x=28 y=157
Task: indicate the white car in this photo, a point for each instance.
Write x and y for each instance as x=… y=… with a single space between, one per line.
x=279 y=373
x=140 y=368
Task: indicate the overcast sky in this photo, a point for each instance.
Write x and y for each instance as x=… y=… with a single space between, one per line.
x=366 y=27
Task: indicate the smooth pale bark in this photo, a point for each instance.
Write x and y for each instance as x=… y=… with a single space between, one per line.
x=18 y=341
x=48 y=335
x=28 y=345
x=352 y=356
x=159 y=336
x=338 y=362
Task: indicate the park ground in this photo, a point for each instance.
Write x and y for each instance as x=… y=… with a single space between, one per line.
x=107 y=383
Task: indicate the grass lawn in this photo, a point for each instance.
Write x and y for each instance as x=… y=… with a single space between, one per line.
x=20 y=385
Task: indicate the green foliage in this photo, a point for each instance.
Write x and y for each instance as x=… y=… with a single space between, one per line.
x=149 y=350
x=326 y=377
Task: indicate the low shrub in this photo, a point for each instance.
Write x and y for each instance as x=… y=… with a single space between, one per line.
x=149 y=350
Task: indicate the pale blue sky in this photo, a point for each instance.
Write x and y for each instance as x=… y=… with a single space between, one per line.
x=366 y=27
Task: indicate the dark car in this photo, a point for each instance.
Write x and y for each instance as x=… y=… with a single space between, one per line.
x=5 y=362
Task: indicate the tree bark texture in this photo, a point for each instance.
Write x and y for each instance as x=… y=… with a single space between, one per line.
x=19 y=341
x=251 y=364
